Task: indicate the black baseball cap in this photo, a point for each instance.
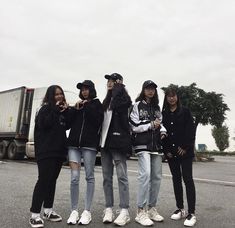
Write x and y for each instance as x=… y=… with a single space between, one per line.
x=149 y=83
x=114 y=76
x=87 y=83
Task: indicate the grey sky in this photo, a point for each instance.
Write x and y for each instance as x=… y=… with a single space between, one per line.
x=63 y=42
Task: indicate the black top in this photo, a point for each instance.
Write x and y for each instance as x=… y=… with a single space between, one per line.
x=119 y=138
x=180 y=130
x=50 y=133
x=85 y=124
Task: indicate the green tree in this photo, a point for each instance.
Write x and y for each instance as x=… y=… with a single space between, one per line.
x=221 y=136
x=206 y=107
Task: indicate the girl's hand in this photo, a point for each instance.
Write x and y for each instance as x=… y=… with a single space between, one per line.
x=62 y=105
x=163 y=136
x=169 y=155
x=156 y=123
x=181 y=151
x=79 y=105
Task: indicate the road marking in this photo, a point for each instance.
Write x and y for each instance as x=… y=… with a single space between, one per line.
x=227 y=183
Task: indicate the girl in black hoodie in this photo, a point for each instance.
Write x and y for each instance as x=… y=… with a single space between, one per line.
x=85 y=122
x=50 y=152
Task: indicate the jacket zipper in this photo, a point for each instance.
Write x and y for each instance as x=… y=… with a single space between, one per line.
x=152 y=131
x=83 y=121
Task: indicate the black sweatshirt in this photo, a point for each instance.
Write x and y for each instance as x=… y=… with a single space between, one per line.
x=85 y=125
x=181 y=131
x=50 y=133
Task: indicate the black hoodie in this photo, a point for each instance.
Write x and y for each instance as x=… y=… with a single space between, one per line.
x=50 y=133
x=85 y=124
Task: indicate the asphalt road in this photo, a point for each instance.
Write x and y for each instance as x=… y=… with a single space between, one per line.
x=215 y=187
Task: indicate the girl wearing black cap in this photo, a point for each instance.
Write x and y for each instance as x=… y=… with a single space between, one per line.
x=50 y=152
x=179 y=149
x=115 y=144
x=85 y=121
x=145 y=120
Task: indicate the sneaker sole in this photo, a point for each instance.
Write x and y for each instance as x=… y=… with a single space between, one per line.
x=122 y=224
x=71 y=223
x=53 y=220
x=107 y=222
x=157 y=220
x=86 y=223
x=142 y=224
x=36 y=226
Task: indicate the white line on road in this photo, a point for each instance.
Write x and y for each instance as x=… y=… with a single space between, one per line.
x=202 y=180
x=228 y=183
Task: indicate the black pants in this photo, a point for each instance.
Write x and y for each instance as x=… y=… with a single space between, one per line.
x=183 y=167
x=44 y=191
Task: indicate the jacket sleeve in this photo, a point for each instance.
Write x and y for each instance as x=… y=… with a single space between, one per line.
x=189 y=136
x=137 y=125
x=94 y=113
x=70 y=115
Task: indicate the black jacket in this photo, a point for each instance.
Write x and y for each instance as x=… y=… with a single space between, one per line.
x=85 y=125
x=50 y=133
x=144 y=136
x=181 y=131
x=118 y=137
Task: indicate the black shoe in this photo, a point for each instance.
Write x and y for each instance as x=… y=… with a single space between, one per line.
x=52 y=216
x=37 y=222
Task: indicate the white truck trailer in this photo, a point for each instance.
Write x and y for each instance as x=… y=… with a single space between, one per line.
x=18 y=108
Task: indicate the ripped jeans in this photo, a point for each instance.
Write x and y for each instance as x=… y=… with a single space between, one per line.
x=108 y=160
x=89 y=156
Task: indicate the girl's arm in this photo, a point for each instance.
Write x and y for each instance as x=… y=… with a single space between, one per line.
x=137 y=125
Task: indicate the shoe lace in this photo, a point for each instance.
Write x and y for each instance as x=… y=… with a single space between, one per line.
x=154 y=209
x=107 y=210
x=144 y=215
x=177 y=211
x=189 y=216
x=38 y=219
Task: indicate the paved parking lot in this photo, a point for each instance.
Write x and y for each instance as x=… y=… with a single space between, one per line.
x=215 y=186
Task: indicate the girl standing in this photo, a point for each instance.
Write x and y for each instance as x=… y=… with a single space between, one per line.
x=115 y=144
x=50 y=152
x=85 y=122
x=145 y=120
x=179 y=149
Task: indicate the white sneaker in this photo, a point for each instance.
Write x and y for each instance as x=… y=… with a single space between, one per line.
x=85 y=218
x=154 y=215
x=36 y=222
x=108 y=215
x=73 y=218
x=143 y=218
x=123 y=218
x=178 y=214
x=190 y=220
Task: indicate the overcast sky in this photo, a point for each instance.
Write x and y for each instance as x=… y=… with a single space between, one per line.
x=64 y=42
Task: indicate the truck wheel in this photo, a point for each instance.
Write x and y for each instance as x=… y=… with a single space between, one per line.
x=12 y=151
x=3 y=150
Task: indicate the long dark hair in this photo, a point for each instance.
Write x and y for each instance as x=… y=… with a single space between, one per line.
x=107 y=100
x=154 y=102
x=117 y=97
x=49 y=98
x=170 y=91
x=92 y=93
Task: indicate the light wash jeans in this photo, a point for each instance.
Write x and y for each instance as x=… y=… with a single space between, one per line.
x=108 y=160
x=89 y=156
x=149 y=179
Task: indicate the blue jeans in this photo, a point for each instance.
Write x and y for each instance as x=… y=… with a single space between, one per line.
x=108 y=160
x=89 y=156
x=149 y=179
